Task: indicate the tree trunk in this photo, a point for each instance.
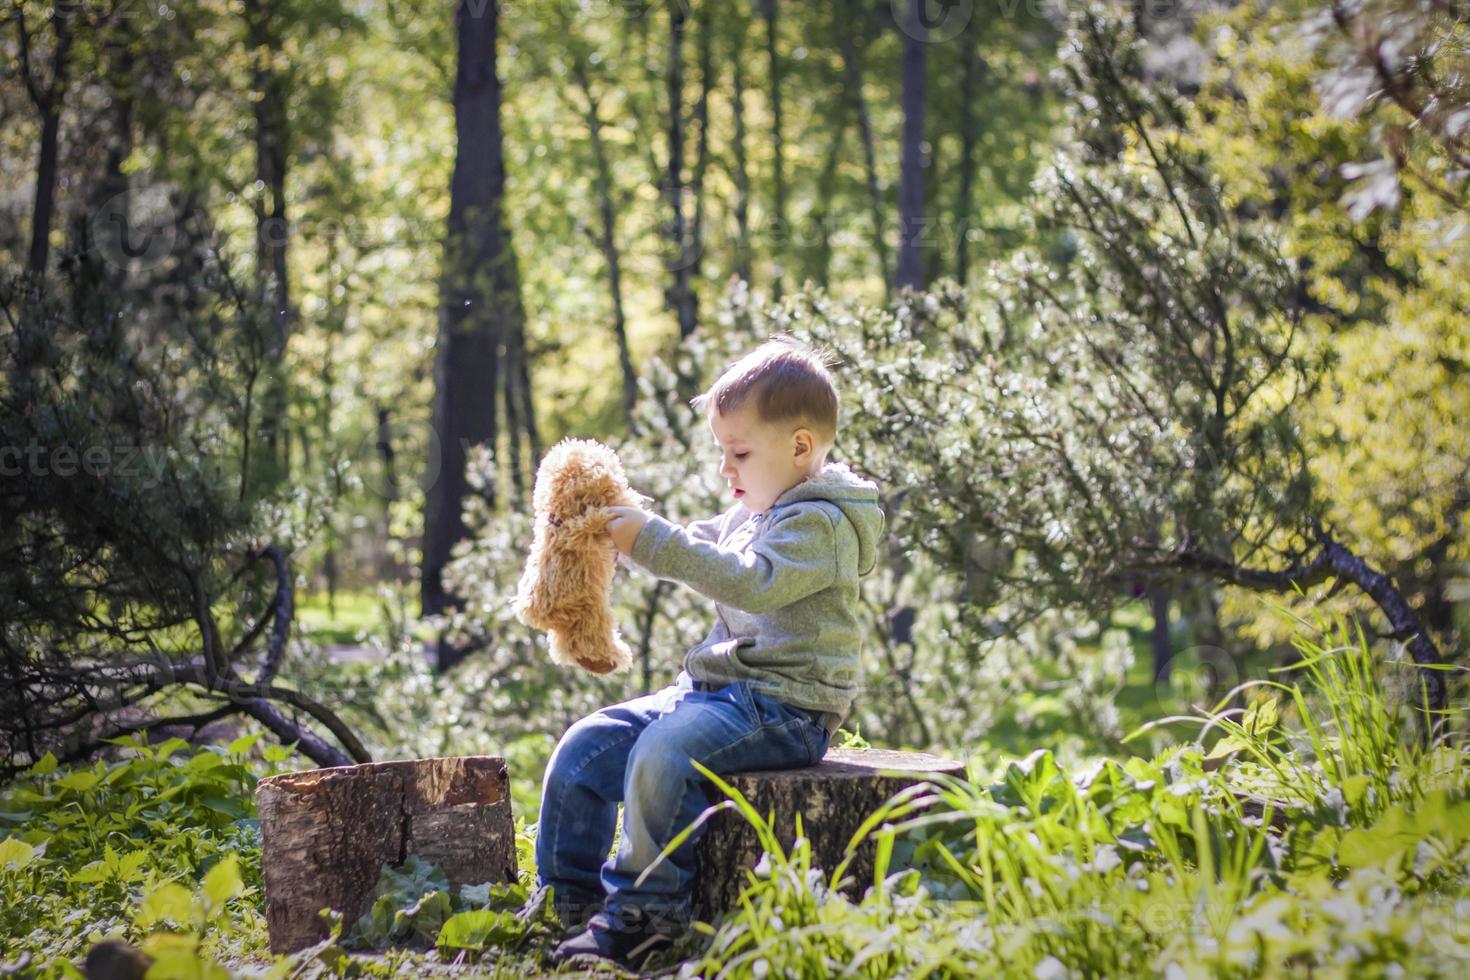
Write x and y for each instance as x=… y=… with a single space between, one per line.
x=326 y=835
x=778 y=146
x=480 y=301
x=911 y=217
x=387 y=457
x=45 y=201
x=969 y=132
x=680 y=296
x=853 y=72
x=704 y=23
x=818 y=251
x=272 y=233
x=1163 y=651
x=741 y=177
x=833 y=799
x=607 y=237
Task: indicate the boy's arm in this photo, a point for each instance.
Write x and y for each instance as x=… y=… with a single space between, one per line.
x=706 y=530
x=796 y=557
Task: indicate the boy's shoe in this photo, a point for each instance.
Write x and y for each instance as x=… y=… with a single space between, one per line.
x=572 y=915
x=626 y=937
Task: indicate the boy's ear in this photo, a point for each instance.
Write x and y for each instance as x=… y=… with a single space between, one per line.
x=803 y=442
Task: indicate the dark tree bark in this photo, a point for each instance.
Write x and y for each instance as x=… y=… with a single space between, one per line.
x=679 y=297
x=778 y=144
x=852 y=71
x=388 y=490
x=47 y=96
x=326 y=834
x=606 y=236
x=704 y=22
x=911 y=216
x=832 y=799
x=974 y=69
x=819 y=252
x=272 y=152
x=1159 y=644
x=741 y=176
x=480 y=302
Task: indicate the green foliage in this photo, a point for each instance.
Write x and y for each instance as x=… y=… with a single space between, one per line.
x=164 y=840
x=410 y=904
x=1147 y=867
x=1388 y=289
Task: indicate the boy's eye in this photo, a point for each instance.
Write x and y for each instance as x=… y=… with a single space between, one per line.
x=741 y=455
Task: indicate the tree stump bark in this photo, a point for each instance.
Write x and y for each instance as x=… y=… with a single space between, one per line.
x=833 y=798
x=326 y=833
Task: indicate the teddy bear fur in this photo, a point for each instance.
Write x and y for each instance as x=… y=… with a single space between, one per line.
x=568 y=578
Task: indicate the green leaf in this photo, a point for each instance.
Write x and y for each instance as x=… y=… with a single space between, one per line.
x=177 y=957
x=168 y=902
x=165 y=749
x=81 y=780
x=277 y=753
x=480 y=928
x=243 y=744
x=44 y=766
x=16 y=853
x=229 y=806
x=223 y=881
x=89 y=873
x=128 y=867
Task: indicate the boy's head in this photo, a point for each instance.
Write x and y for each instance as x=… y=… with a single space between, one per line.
x=774 y=417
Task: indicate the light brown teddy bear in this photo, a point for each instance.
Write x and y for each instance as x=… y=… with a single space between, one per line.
x=568 y=576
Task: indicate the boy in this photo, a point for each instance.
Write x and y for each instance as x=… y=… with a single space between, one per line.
x=766 y=688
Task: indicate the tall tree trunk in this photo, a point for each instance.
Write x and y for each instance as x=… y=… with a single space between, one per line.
x=48 y=99
x=680 y=297
x=974 y=68
x=272 y=139
x=110 y=201
x=1159 y=644
x=910 y=271
x=45 y=201
x=389 y=488
x=741 y=176
x=704 y=23
x=606 y=236
x=930 y=254
x=479 y=301
x=778 y=146
x=852 y=70
x=819 y=253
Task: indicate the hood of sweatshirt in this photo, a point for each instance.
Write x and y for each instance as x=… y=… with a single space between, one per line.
x=856 y=497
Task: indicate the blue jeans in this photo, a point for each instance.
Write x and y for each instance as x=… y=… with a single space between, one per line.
x=640 y=753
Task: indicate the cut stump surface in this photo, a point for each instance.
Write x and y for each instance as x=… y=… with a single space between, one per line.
x=326 y=833
x=833 y=799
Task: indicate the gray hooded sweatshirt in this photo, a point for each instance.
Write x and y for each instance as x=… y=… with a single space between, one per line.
x=785 y=588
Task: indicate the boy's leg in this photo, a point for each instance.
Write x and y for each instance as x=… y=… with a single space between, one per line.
x=579 y=799
x=729 y=730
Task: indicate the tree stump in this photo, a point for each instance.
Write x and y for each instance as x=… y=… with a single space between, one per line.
x=833 y=798
x=326 y=833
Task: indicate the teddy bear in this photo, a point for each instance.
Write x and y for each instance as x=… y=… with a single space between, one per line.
x=565 y=587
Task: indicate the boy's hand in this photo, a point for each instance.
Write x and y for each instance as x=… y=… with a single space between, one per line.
x=624 y=527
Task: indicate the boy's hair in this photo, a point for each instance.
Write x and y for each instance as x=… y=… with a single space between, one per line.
x=788 y=380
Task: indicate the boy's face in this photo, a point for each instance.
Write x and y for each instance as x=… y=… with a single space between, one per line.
x=761 y=460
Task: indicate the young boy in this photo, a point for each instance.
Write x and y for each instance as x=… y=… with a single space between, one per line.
x=765 y=689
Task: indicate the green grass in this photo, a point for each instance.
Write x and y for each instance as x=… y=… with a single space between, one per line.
x=350 y=619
